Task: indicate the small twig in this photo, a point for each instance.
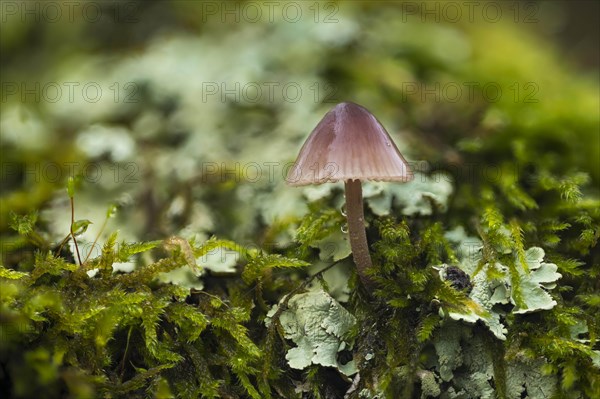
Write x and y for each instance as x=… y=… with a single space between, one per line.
x=212 y=296
x=96 y=239
x=125 y=353
x=62 y=244
x=72 y=233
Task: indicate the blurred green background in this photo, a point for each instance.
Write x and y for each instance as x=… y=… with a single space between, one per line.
x=186 y=114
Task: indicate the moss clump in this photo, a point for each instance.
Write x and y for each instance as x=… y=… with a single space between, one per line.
x=486 y=267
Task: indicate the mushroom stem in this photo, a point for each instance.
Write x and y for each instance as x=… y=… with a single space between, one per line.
x=356 y=228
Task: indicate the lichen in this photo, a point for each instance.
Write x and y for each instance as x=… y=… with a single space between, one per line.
x=417 y=197
x=533 y=281
x=319 y=326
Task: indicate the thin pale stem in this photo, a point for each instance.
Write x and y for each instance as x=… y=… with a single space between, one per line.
x=72 y=232
x=96 y=239
x=356 y=229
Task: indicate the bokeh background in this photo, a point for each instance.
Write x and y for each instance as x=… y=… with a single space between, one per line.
x=186 y=114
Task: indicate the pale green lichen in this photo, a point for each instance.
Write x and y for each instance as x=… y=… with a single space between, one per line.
x=483 y=294
x=183 y=277
x=449 y=352
x=467 y=248
x=318 y=325
x=535 y=282
x=462 y=360
x=334 y=247
x=429 y=385
x=535 y=279
x=335 y=278
x=525 y=380
x=219 y=260
x=417 y=197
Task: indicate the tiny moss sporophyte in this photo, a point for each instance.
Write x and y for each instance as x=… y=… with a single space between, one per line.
x=349 y=144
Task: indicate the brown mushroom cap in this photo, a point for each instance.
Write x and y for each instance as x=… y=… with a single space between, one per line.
x=348 y=144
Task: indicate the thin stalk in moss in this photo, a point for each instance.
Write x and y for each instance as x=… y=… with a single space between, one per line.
x=71 y=193
x=125 y=353
x=72 y=232
x=109 y=214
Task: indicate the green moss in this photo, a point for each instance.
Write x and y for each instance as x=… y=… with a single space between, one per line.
x=486 y=266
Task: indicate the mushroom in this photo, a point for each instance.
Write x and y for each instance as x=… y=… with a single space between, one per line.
x=350 y=144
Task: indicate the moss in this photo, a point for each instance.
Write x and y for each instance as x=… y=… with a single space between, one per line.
x=486 y=267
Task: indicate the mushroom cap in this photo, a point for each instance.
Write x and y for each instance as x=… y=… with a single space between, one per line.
x=348 y=144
